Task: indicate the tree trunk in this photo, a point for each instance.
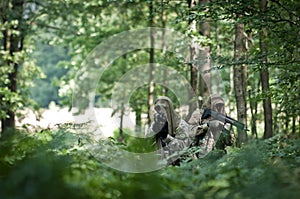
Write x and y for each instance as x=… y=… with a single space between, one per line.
x=294 y=125
x=138 y=121
x=121 y=136
x=193 y=52
x=240 y=81
x=268 y=132
x=276 y=126
x=151 y=61
x=12 y=43
x=231 y=83
x=217 y=39
x=251 y=83
x=164 y=45
x=205 y=62
x=278 y=116
x=253 y=109
x=287 y=121
x=192 y=65
x=264 y=76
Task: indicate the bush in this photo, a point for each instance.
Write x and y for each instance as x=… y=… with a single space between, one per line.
x=57 y=164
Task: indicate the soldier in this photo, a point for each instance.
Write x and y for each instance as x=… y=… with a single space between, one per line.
x=172 y=134
x=213 y=132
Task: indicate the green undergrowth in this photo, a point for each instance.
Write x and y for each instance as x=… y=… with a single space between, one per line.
x=59 y=164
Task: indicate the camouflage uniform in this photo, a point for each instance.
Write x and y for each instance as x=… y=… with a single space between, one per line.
x=213 y=132
x=172 y=134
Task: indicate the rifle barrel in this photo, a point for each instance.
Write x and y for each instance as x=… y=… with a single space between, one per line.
x=223 y=118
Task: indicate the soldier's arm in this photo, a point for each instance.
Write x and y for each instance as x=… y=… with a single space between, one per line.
x=150 y=132
x=158 y=126
x=182 y=138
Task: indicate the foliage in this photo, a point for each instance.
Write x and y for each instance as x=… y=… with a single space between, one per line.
x=56 y=164
x=77 y=27
x=50 y=60
x=86 y=24
x=15 y=100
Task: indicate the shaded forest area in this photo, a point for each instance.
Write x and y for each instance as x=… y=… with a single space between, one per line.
x=252 y=45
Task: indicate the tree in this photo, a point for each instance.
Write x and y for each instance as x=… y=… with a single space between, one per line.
x=12 y=42
x=82 y=25
x=264 y=76
x=240 y=80
x=151 y=62
x=193 y=48
x=253 y=102
x=204 y=54
x=163 y=42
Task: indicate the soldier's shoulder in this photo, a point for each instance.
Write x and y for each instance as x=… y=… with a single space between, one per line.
x=196 y=116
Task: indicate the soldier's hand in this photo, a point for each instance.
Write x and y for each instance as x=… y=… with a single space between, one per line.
x=204 y=126
x=202 y=129
x=159 y=121
x=215 y=124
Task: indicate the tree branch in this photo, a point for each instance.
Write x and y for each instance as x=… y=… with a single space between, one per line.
x=289 y=11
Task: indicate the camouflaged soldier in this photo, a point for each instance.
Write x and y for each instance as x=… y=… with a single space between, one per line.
x=212 y=133
x=172 y=134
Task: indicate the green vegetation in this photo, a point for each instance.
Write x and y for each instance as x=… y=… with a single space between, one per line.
x=50 y=59
x=56 y=164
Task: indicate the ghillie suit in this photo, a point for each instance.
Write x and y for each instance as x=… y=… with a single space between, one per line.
x=213 y=134
x=172 y=134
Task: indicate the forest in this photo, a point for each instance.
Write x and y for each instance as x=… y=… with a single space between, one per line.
x=107 y=62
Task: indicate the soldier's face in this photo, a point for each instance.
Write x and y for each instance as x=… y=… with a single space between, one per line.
x=219 y=107
x=161 y=106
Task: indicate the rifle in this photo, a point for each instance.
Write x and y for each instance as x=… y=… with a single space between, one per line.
x=223 y=118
